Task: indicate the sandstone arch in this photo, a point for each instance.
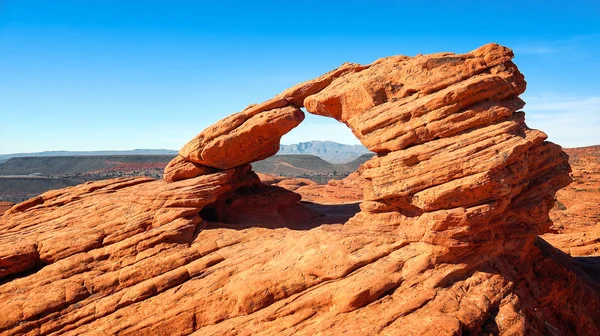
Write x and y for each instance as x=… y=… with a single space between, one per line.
x=451 y=143
x=445 y=243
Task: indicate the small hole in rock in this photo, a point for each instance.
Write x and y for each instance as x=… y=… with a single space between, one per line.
x=209 y=214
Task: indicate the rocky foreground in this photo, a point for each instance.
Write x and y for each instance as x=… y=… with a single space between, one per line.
x=444 y=243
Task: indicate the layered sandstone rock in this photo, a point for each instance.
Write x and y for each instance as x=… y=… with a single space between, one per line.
x=93 y=215
x=252 y=134
x=5 y=206
x=244 y=137
x=445 y=242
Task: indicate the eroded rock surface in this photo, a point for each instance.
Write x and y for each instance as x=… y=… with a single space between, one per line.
x=347 y=190
x=242 y=138
x=576 y=214
x=5 y=206
x=445 y=242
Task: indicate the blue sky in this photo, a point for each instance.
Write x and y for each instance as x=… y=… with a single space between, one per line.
x=92 y=75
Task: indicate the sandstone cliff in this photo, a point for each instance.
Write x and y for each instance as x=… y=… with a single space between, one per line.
x=445 y=242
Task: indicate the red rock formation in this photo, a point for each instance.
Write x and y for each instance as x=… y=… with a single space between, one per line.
x=239 y=139
x=347 y=190
x=180 y=169
x=5 y=206
x=576 y=215
x=445 y=242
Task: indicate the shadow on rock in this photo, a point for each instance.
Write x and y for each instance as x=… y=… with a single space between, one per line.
x=272 y=208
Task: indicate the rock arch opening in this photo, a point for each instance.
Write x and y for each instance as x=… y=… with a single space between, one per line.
x=452 y=146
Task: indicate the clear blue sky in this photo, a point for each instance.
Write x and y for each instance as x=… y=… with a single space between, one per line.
x=91 y=75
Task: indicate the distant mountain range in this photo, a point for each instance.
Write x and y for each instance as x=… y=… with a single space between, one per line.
x=327 y=150
x=5 y=157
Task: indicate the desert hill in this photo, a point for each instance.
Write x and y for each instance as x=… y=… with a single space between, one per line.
x=6 y=157
x=287 y=165
x=306 y=165
x=19 y=188
x=327 y=150
x=25 y=177
x=445 y=241
x=73 y=165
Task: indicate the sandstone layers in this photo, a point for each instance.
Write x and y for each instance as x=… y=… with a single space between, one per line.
x=445 y=242
x=5 y=206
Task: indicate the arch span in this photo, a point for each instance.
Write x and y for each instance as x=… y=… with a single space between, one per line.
x=454 y=156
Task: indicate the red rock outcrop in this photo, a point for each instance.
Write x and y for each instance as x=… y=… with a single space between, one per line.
x=445 y=242
x=576 y=214
x=244 y=137
x=252 y=134
x=348 y=190
x=5 y=206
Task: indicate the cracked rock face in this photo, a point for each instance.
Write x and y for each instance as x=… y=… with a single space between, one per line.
x=444 y=243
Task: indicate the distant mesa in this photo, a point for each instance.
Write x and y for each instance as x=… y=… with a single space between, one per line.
x=327 y=150
x=6 y=157
x=445 y=241
x=22 y=178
